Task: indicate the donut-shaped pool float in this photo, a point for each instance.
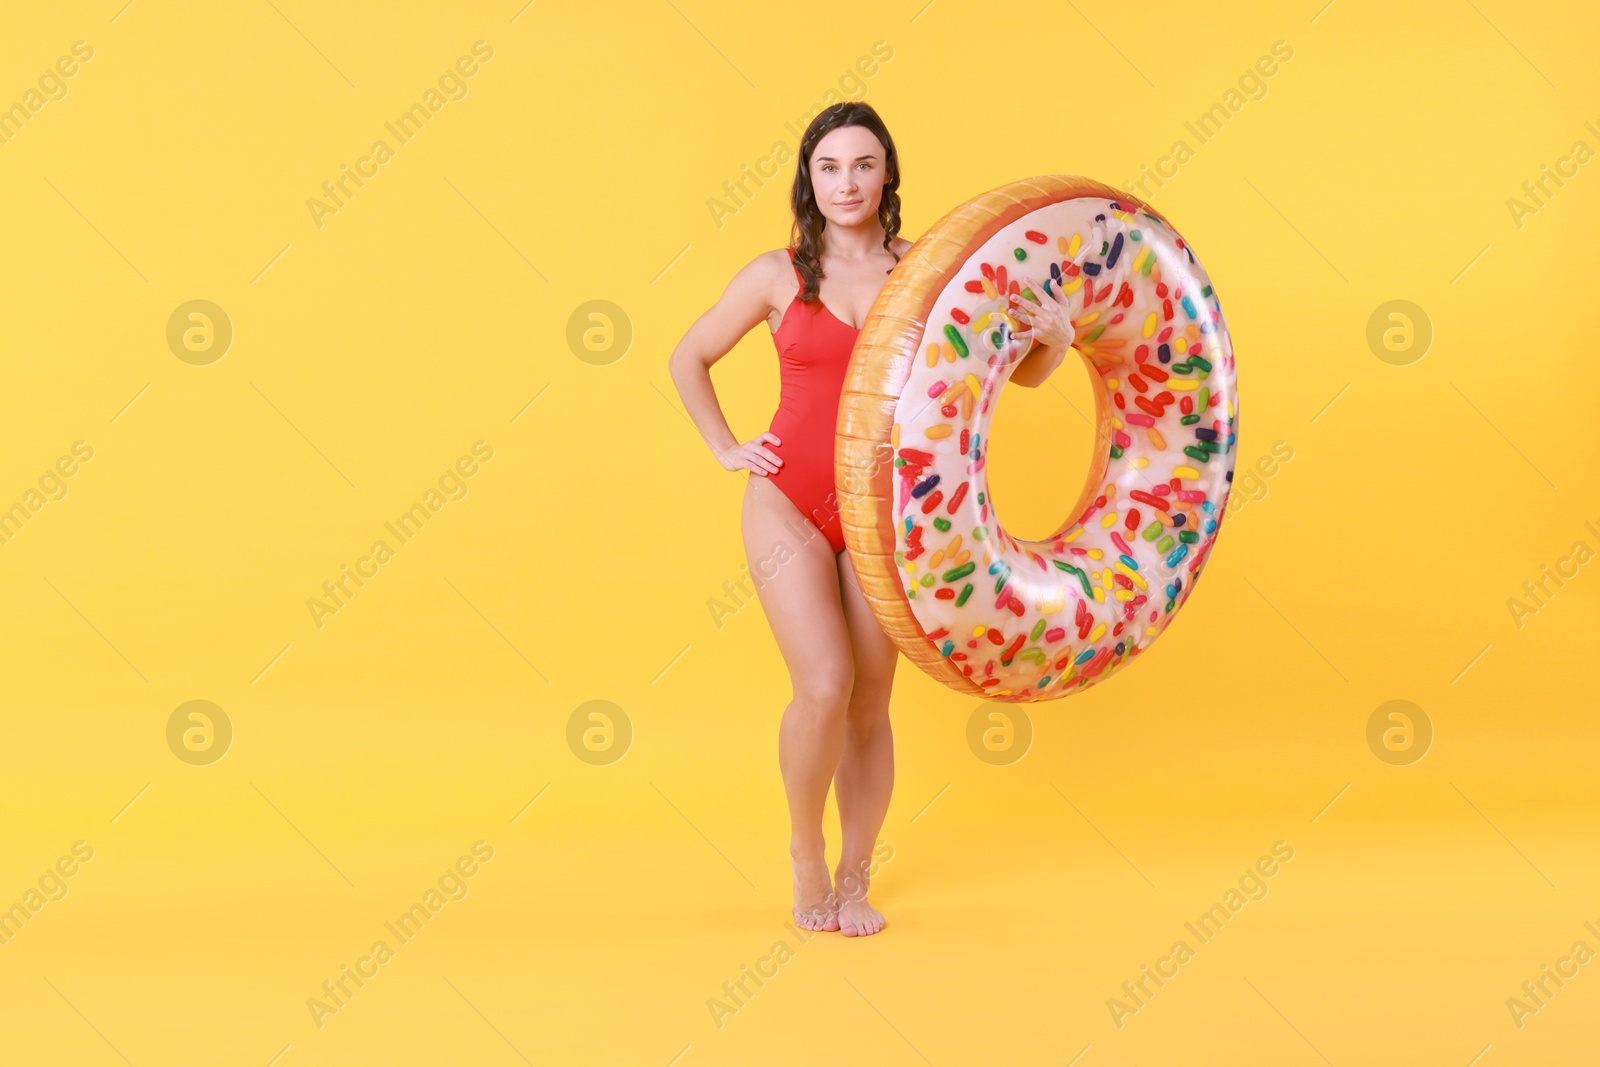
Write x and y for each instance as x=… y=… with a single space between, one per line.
x=982 y=611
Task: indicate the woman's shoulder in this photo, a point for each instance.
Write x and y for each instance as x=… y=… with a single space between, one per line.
x=768 y=263
x=769 y=268
x=768 y=278
x=766 y=273
x=901 y=245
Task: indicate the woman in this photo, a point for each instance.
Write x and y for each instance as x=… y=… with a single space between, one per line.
x=841 y=664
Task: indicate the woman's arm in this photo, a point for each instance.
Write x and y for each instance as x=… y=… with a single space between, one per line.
x=1040 y=362
x=742 y=304
x=1047 y=319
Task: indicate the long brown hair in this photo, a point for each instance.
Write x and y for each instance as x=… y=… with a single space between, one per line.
x=806 y=239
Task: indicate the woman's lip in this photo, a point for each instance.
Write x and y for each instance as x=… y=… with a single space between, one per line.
x=850 y=203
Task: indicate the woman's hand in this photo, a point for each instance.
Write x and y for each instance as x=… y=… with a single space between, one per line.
x=753 y=455
x=1048 y=323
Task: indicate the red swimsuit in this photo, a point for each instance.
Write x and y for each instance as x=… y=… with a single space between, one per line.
x=813 y=352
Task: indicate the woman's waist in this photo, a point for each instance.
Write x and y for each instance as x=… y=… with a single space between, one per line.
x=805 y=430
x=801 y=406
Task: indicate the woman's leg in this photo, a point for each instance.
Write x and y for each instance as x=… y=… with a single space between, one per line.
x=801 y=602
x=865 y=775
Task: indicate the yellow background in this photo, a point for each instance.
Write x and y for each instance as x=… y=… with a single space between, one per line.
x=368 y=354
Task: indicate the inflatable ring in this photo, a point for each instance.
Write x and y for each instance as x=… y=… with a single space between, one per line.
x=980 y=610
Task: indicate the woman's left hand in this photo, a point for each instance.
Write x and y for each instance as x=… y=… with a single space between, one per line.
x=1048 y=323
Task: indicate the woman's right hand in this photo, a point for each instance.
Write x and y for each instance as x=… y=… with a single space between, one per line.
x=753 y=455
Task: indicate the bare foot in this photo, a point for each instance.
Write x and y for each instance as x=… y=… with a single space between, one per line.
x=857 y=918
x=815 y=907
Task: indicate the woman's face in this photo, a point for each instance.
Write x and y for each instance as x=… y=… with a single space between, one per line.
x=848 y=169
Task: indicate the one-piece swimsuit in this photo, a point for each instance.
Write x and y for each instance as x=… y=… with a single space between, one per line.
x=814 y=348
